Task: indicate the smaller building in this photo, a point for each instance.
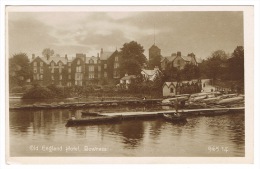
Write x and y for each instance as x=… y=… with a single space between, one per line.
x=151 y=74
x=184 y=87
x=127 y=80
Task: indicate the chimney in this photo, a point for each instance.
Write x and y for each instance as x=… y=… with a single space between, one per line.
x=191 y=55
x=97 y=54
x=33 y=56
x=173 y=54
x=178 y=53
x=126 y=74
x=101 y=52
x=66 y=57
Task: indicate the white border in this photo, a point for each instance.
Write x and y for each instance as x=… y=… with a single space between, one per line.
x=233 y=2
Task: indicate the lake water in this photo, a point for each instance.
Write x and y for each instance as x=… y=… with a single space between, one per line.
x=43 y=133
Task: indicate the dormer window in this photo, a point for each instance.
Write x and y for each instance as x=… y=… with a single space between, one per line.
x=91 y=61
x=78 y=62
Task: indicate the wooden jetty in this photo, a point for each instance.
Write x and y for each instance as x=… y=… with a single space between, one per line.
x=75 y=105
x=186 y=112
x=118 y=117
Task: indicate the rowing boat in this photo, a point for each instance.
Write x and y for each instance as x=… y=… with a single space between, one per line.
x=176 y=118
x=92 y=121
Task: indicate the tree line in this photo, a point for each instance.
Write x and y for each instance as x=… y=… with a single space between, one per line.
x=218 y=66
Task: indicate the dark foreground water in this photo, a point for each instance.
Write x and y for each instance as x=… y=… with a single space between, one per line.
x=43 y=133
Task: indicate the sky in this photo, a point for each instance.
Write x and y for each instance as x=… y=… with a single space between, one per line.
x=87 y=32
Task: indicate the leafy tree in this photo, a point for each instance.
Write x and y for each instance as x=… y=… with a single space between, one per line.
x=132 y=58
x=190 y=71
x=172 y=73
x=236 y=64
x=19 y=69
x=216 y=65
x=47 y=52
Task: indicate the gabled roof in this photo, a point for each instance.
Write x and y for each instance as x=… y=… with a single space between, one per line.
x=105 y=55
x=58 y=59
x=54 y=59
x=169 y=58
x=95 y=59
x=186 y=58
x=168 y=84
x=128 y=77
x=150 y=72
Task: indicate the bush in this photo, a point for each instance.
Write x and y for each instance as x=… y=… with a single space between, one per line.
x=38 y=92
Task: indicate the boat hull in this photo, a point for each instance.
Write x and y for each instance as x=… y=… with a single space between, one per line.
x=173 y=119
x=93 y=121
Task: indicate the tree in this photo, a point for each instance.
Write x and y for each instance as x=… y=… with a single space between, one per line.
x=132 y=58
x=19 y=69
x=216 y=65
x=47 y=53
x=190 y=71
x=172 y=73
x=236 y=64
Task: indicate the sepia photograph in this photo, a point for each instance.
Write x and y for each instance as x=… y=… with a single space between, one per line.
x=128 y=81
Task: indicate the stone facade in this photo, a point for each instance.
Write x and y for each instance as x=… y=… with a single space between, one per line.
x=79 y=71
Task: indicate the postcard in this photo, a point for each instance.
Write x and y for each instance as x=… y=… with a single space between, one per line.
x=129 y=84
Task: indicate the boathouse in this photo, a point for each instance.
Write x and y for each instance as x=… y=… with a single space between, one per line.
x=183 y=87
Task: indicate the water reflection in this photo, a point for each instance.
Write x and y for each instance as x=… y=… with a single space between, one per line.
x=128 y=138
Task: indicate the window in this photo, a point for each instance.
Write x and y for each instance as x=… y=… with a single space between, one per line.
x=60 y=70
x=99 y=75
x=69 y=64
x=78 y=76
x=91 y=76
x=105 y=66
x=41 y=70
x=116 y=65
x=60 y=77
x=105 y=74
x=35 y=69
x=69 y=77
x=171 y=90
x=41 y=77
x=69 y=70
x=52 y=70
x=91 y=61
x=60 y=64
x=41 y=63
x=99 y=68
x=52 y=77
x=78 y=69
x=116 y=58
x=91 y=68
x=116 y=75
x=78 y=62
x=52 y=64
x=34 y=63
x=178 y=62
x=69 y=84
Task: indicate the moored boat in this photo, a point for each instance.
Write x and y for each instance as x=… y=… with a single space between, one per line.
x=96 y=120
x=90 y=114
x=175 y=118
